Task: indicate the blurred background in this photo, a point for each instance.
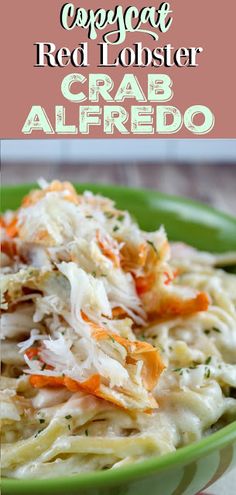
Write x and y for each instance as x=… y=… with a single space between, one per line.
x=203 y=169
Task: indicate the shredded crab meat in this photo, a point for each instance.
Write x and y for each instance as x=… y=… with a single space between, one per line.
x=91 y=267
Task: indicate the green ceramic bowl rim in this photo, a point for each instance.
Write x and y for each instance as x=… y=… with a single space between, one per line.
x=180 y=457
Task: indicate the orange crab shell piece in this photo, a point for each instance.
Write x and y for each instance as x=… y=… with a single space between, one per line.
x=109 y=248
x=56 y=186
x=91 y=385
x=171 y=305
x=137 y=351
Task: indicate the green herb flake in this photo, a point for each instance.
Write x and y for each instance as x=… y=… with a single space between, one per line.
x=41 y=420
x=207 y=332
x=207 y=373
x=68 y=426
x=68 y=416
x=89 y=216
x=86 y=433
x=108 y=214
x=217 y=330
x=153 y=246
x=120 y=218
x=194 y=365
x=112 y=339
x=208 y=360
x=38 y=432
x=116 y=228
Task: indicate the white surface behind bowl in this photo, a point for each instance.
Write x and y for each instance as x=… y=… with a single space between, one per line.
x=225 y=486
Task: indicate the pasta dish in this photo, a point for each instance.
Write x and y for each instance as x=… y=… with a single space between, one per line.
x=116 y=344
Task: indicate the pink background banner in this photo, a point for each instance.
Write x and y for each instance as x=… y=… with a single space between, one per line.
x=207 y=24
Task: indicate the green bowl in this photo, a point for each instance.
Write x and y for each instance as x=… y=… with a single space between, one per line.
x=189 y=469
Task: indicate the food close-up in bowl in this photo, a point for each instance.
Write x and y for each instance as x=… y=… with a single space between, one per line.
x=118 y=341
